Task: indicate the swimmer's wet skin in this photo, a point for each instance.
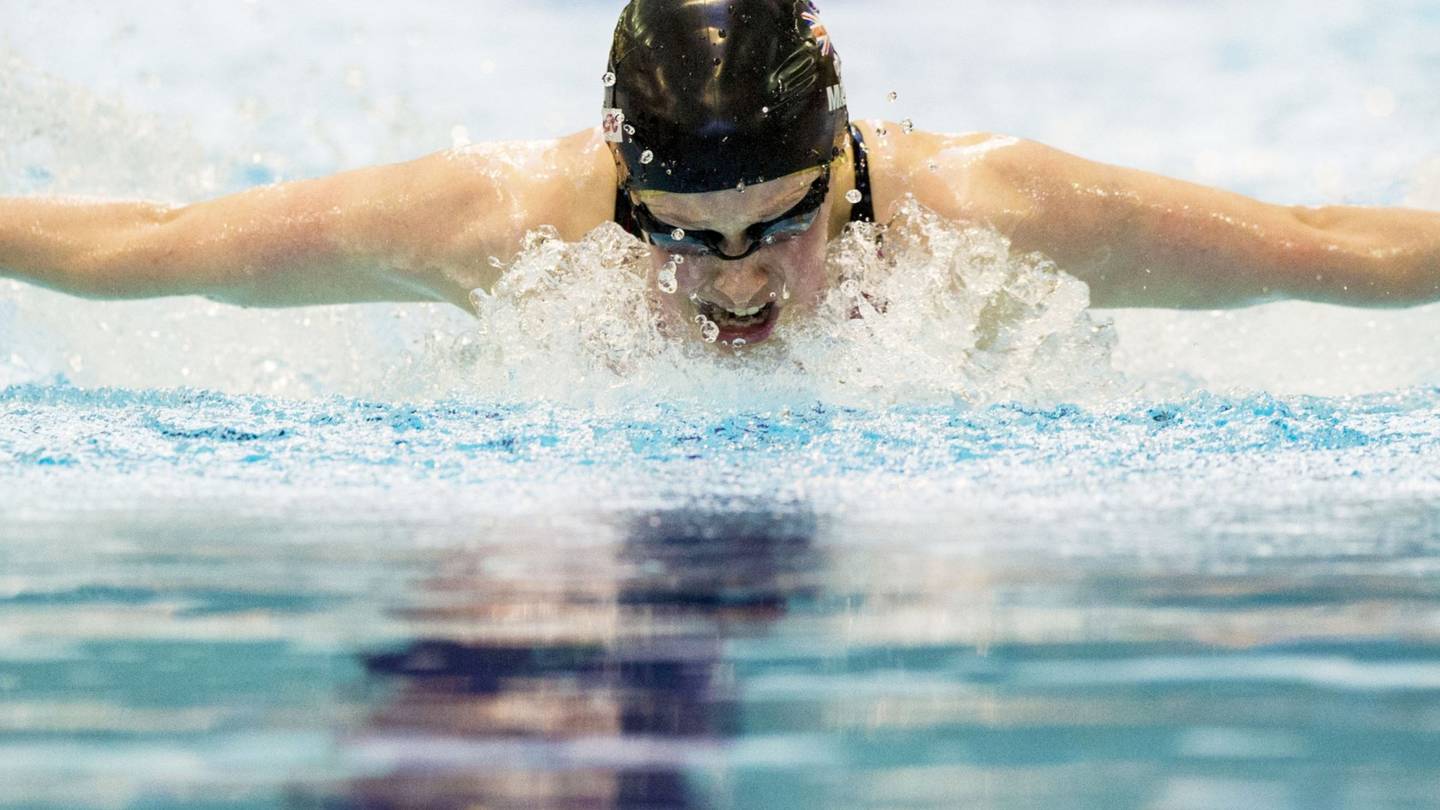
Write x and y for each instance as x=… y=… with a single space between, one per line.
x=724 y=146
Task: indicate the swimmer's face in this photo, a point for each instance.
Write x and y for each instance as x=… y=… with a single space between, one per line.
x=744 y=298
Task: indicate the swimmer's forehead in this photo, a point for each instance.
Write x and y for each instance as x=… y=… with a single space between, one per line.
x=759 y=202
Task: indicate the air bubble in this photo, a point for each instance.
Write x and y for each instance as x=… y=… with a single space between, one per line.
x=709 y=331
x=496 y=263
x=677 y=234
x=850 y=287
x=738 y=343
x=892 y=96
x=853 y=196
x=908 y=126
x=934 y=167
x=629 y=129
x=770 y=240
x=678 y=259
x=881 y=131
x=764 y=110
x=608 y=79
x=740 y=187
x=647 y=157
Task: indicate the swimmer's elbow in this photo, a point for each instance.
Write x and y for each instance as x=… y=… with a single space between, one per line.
x=1370 y=257
x=139 y=258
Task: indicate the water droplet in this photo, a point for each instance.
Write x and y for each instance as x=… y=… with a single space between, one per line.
x=892 y=95
x=647 y=157
x=665 y=279
x=677 y=234
x=629 y=129
x=853 y=196
x=608 y=79
x=908 y=126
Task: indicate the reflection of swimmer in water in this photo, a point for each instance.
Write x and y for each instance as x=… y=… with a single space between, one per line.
x=726 y=133
x=602 y=679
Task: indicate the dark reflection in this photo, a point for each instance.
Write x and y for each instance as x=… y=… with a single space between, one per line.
x=581 y=676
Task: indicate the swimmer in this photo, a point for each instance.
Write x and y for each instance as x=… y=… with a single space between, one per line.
x=725 y=144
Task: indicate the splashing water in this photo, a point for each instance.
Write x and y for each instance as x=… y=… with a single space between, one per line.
x=579 y=323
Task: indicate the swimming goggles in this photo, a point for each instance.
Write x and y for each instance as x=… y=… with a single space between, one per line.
x=788 y=225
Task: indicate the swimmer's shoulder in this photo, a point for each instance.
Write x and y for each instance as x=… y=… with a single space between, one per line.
x=968 y=176
x=448 y=216
x=567 y=182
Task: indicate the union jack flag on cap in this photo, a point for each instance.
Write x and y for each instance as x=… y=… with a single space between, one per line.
x=811 y=15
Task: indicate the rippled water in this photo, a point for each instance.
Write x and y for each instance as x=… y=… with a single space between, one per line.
x=984 y=548
x=213 y=601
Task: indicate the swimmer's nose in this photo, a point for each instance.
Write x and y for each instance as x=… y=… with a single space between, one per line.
x=744 y=285
x=735 y=244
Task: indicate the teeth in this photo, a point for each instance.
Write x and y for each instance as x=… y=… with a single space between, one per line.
x=744 y=313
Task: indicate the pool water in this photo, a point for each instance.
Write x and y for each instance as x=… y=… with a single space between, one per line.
x=219 y=601
x=991 y=550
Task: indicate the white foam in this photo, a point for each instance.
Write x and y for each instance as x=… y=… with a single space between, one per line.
x=970 y=322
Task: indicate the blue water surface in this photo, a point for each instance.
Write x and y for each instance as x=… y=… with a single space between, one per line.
x=243 y=602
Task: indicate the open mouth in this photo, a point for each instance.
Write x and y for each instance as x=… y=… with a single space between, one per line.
x=751 y=324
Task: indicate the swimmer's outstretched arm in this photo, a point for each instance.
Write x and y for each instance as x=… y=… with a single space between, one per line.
x=1142 y=240
x=418 y=231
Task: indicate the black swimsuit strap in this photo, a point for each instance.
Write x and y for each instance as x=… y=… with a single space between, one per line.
x=625 y=215
x=863 y=211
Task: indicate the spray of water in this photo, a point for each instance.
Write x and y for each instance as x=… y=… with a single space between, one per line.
x=919 y=311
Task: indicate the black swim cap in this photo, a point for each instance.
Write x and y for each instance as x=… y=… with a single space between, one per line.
x=710 y=94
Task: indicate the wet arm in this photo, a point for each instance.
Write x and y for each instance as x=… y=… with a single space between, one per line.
x=388 y=233
x=1142 y=240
